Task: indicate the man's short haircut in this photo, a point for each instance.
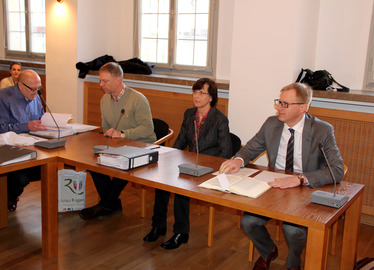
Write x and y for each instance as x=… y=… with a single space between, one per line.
x=14 y=63
x=212 y=89
x=113 y=68
x=303 y=91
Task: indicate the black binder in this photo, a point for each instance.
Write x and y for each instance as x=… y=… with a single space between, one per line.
x=11 y=154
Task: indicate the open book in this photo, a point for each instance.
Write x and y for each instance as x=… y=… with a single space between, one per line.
x=242 y=184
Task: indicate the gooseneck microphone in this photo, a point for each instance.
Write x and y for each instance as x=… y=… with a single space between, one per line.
x=328 y=198
x=54 y=143
x=111 y=134
x=194 y=169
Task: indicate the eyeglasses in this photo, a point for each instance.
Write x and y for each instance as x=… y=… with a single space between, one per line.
x=200 y=92
x=34 y=90
x=284 y=104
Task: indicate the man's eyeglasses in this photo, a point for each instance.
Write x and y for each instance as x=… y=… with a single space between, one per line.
x=34 y=90
x=200 y=92
x=285 y=104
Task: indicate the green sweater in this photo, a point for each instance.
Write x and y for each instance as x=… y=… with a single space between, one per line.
x=136 y=123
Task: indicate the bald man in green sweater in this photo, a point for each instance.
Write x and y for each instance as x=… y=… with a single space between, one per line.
x=132 y=110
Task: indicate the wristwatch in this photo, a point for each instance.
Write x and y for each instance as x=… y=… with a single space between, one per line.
x=123 y=135
x=301 y=179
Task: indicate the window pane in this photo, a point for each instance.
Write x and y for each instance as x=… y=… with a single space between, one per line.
x=15 y=5
x=162 y=51
x=16 y=31
x=149 y=26
x=16 y=41
x=148 y=50
x=154 y=21
x=184 y=53
x=202 y=27
x=37 y=26
x=200 y=57
x=202 y=6
x=186 y=27
x=186 y=6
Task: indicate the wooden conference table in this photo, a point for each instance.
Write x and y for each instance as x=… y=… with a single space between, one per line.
x=291 y=205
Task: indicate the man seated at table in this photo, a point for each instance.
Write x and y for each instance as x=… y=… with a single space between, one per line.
x=291 y=140
x=20 y=112
x=125 y=113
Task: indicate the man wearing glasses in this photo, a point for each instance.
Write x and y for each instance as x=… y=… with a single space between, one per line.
x=291 y=139
x=20 y=112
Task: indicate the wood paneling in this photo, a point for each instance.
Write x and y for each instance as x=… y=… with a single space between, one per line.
x=354 y=133
x=167 y=106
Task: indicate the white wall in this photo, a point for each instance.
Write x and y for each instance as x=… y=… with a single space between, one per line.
x=342 y=43
x=61 y=56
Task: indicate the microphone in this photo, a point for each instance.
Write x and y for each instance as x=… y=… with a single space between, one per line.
x=194 y=169
x=328 y=198
x=111 y=134
x=98 y=148
x=54 y=143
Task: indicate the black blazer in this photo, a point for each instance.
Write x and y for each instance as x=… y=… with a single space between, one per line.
x=214 y=138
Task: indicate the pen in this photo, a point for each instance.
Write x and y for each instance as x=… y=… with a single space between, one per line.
x=154 y=147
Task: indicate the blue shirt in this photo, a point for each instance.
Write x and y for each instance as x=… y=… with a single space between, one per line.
x=16 y=111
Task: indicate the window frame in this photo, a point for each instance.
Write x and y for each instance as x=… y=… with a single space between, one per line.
x=171 y=68
x=20 y=54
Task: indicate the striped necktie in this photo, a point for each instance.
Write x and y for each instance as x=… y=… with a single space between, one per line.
x=290 y=148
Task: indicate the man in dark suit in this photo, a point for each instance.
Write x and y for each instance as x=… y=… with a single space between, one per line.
x=291 y=140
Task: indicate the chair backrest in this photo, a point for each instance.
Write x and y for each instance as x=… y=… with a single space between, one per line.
x=161 y=128
x=236 y=143
x=163 y=133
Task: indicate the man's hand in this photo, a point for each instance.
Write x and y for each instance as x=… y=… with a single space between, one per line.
x=116 y=133
x=36 y=125
x=287 y=182
x=230 y=166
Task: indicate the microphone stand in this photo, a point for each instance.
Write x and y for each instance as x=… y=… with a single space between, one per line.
x=54 y=143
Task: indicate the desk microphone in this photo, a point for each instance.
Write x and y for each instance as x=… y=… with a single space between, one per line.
x=54 y=143
x=98 y=148
x=194 y=169
x=328 y=198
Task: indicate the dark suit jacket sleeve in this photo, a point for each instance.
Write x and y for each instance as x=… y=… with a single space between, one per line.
x=314 y=166
x=254 y=147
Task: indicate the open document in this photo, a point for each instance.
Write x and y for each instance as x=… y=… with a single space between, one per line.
x=66 y=129
x=241 y=183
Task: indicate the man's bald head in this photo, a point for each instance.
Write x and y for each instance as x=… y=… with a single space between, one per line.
x=28 y=83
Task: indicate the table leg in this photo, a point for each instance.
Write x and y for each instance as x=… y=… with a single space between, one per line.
x=316 y=246
x=3 y=201
x=211 y=225
x=49 y=209
x=350 y=234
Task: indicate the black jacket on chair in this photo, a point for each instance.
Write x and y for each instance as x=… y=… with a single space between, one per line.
x=214 y=138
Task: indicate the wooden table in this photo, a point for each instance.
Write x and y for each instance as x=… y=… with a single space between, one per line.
x=48 y=163
x=292 y=205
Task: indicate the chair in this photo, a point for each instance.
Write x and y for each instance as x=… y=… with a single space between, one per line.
x=164 y=134
x=236 y=144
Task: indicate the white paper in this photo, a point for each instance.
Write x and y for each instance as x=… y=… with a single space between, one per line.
x=61 y=119
x=22 y=139
x=268 y=176
x=223 y=181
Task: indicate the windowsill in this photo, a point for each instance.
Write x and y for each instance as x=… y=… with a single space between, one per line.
x=352 y=95
x=158 y=78
x=24 y=63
